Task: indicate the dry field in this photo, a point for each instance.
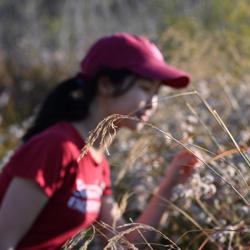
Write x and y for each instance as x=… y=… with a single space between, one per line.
x=211 y=118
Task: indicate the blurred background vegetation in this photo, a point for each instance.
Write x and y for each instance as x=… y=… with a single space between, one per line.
x=42 y=42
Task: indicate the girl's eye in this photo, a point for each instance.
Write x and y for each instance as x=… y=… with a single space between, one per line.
x=150 y=90
x=149 y=86
x=146 y=88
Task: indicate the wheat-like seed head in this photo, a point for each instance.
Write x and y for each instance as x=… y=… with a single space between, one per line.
x=105 y=132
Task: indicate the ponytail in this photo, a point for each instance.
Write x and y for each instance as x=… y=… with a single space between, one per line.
x=70 y=100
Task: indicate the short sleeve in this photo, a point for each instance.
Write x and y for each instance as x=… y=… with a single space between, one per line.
x=42 y=160
x=107 y=180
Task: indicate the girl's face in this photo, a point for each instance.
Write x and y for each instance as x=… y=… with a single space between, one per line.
x=139 y=101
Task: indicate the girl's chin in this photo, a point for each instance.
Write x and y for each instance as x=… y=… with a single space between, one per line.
x=134 y=125
x=131 y=124
x=140 y=126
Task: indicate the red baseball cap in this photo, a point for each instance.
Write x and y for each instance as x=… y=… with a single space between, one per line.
x=134 y=53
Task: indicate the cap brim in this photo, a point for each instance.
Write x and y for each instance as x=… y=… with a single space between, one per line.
x=165 y=73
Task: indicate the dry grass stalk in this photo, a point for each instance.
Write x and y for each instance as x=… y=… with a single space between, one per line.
x=183 y=213
x=122 y=208
x=87 y=242
x=224 y=127
x=231 y=236
x=73 y=242
x=104 y=132
x=221 y=157
x=191 y=231
x=203 y=244
x=204 y=125
x=237 y=229
x=201 y=160
x=120 y=239
x=149 y=246
x=168 y=97
x=204 y=208
x=229 y=153
x=222 y=80
x=132 y=227
x=107 y=130
x=139 y=149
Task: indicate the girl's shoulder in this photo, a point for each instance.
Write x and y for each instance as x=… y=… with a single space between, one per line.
x=60 y=140
x=58 y=134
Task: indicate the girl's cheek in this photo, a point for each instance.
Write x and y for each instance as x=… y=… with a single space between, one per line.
x=155 y=102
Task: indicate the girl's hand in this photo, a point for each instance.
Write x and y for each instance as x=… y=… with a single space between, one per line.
x=181 y=168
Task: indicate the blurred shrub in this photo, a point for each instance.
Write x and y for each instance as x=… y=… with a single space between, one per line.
x=212 y=34
x=210 y=39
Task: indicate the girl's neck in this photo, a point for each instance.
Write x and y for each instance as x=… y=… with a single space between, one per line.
x=98 y=111
x=95 y=150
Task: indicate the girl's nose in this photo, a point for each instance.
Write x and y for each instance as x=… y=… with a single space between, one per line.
x=152 y=103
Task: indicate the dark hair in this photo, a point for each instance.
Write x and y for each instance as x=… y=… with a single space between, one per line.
x=70 y=100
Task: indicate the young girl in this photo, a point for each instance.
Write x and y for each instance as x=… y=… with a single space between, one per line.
x=46 y=194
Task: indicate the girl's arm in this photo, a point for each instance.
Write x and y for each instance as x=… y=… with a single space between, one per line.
x=21 y=205
x=179 y=171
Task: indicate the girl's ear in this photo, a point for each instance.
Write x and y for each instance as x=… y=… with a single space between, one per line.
x=105 y=87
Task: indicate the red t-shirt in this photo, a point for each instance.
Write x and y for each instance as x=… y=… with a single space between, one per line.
x=75 y=189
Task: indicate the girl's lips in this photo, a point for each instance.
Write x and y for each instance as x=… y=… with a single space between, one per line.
x=145 y=118
x=142 y=116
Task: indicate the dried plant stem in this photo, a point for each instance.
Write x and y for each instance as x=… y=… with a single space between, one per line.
x=119 y=232
x=203 y=244
x=194 y=239
x=190 y=231
x=164 y=98
x=201 y=160
x=87 y=242
x=107 y=129
x=104 y=132
x=142 y=236
x=231 y=236
x=161 y=98
x=244 y=156
x=138 y=150
x=204 y=208
x=231 y=99
x=132 y=227
x=104 y=128
x=221 y=157
x=204 y=125
x=70 y=244
x=210 y=231
x=111 y=243
x=185 y=214
x=222 y=124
